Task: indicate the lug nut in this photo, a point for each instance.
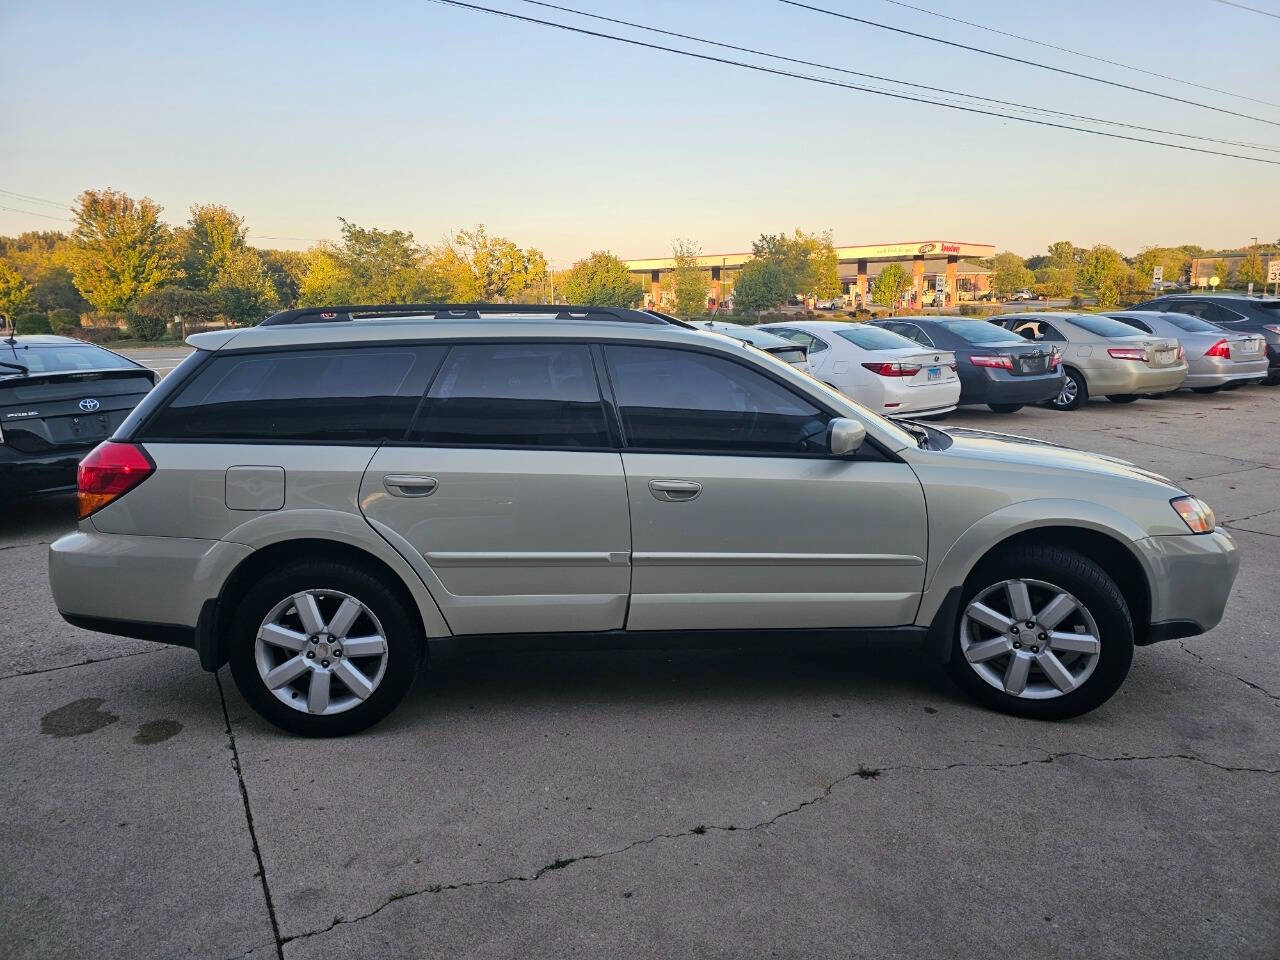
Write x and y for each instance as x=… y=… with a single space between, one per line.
x=338 y=652
x=324 y=663
x=1013 y=630
x=1041 y=636
x=1016 y=645
x=1031 y=623
x=311 y=654
x=1035 y=649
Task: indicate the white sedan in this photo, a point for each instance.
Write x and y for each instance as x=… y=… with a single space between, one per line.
x=876 y=367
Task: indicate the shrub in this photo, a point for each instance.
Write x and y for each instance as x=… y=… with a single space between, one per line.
x=147 y=328
x=64 y=321
x=102 y=320
x=31 y=322
x=1076 y=301
x=99 y=334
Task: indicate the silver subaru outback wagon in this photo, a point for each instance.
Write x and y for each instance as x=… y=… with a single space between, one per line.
x=322 y=499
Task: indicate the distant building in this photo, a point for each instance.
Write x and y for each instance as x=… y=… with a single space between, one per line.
x=935 y=265
x=1202 y=268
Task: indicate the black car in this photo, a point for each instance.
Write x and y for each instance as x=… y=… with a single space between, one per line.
x=1234 y=312
x=996 y=366
x=59 y=398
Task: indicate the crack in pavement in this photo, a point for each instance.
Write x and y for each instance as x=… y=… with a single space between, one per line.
x=1261 y=533
x=84 y=663
x=1165 y=446
x=862 y=772
x=19 y=546
x=1227 y=673
x=248 y=815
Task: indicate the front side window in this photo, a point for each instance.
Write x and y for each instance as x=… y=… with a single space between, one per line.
x=875 y=338
x=1190 y=324
x=522 y=395
x=686 y=401
x=807 y=340
x=360 y=394
x=1039 y=330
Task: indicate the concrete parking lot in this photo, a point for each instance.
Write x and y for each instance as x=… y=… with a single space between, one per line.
x=801 y=803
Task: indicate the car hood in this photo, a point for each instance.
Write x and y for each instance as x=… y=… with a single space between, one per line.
x=1026 y=451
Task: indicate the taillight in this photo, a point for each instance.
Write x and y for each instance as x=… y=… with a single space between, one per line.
x=1181 y=353
x=1220 y=350
x=1128 y=353
x=894 y=369
x=996 y=362
x=109 y=472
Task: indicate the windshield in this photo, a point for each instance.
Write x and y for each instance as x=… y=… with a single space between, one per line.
x=58 y=358
x=875 y=338
x=1184 y=321
x=979 y=331
x=1104 y=326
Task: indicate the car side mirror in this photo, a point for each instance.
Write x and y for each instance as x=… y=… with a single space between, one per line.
x=845 y=436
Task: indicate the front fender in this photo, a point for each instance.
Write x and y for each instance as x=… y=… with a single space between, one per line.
x=961 y=556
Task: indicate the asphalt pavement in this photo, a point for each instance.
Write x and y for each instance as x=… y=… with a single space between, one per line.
x=752 y=803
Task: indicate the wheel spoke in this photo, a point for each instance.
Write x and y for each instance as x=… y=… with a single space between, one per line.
x=1058 y=675
x=288 y=671
x=987 y=649
x=1074 y=642
x=318 y=693
x=309 y=613
x=363 y=646
x=1015 y=675
x=988 y=617
x=1019 y=600
x=1055 y=611
x=345 y=617
x=279 y=636
x=356 y=681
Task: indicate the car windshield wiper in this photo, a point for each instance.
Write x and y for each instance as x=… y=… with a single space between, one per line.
x=15 y=366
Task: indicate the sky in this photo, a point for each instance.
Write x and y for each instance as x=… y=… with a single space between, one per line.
x=418 y=116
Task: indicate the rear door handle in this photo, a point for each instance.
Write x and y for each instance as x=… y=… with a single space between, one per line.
x=674 y=491
x=404 y=485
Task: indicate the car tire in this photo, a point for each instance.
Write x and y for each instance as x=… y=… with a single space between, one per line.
x=1100 y=607
x=1075 y=392
x=1123 y=397
x=1004 y=407
x=383 y=678
x=1205 y=389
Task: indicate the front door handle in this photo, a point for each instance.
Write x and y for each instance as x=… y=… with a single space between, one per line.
x=403 y=485
x=674 y=491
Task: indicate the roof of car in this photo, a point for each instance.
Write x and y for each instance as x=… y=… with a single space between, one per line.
x=1211 y=297
x=812 y=324
x=47 y=340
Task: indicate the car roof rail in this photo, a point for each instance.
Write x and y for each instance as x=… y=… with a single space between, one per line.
x=463 y=311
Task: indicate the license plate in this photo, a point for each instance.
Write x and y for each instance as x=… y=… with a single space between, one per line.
x=1164 y=356
x=935 y=373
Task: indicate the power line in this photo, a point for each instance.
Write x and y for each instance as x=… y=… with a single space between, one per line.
x=1265 y=13
x=905 y=83
x=1025 y=62
x=1078 y=53
x=32 y=213
x=847 y=86
x=28 y=198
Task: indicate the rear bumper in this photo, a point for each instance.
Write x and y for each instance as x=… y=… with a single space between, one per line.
x=24 y=474
x=1210 y=372
x=1191 y=579
x=923 y=399
x=982 y=388
x=116 y=583
x=1125 y=377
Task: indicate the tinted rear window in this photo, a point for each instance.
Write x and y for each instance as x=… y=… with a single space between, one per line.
x=979 y=331
x=1184 y=321
x=346 y=395
x=60 y=358
x=875 y=338
x=529 y=395
x=1104 y=326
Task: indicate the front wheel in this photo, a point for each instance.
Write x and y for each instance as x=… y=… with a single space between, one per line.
x=1043 y=633
x=323 y=648
x=1123 y=397
x=1074 y=391
x=1004 y=407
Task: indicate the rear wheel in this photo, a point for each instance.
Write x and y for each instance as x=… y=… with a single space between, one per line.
x=1123 y=397
x=1043 y=633
x=1207 y=389
x=1074 y=391
x=1004 y=407
x=323 y=648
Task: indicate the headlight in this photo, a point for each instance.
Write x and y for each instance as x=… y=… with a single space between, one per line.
x=1195 y=513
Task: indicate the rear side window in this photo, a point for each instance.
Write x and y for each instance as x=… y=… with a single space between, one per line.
x=515 y=395
x=685 y=401
x=1184 y=321
x=364 y=394
x=980 y=332
x=874 y=338
x=1133 y=322
x=1102 y=326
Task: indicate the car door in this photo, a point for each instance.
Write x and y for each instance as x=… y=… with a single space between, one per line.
x=509 y=492
x=740 y=518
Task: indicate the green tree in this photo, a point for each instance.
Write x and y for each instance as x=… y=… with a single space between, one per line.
x=1105 y=272
x=55 y=289
x=31 y=321
x=383 y=265
x=324 y=281
x=212 y=235
x=601 y=280
x=1222 y=270
x=177 y=303
x=1250 y=269
x=500 y=270
x=691 y=283
x=244 y=288
x=763 y=285
x=890 y=285
x=64 y=321
x=1065 y=255
x=1009 y=274
x=286 y=268
x=121 y=249
x=15 y=292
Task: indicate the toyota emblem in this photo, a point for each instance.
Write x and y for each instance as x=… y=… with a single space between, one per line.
x=88 y=405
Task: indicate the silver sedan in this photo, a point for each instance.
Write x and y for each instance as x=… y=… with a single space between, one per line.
x=1217 y=358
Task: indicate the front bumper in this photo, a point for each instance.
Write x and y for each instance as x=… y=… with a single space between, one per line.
x=1191 y=577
